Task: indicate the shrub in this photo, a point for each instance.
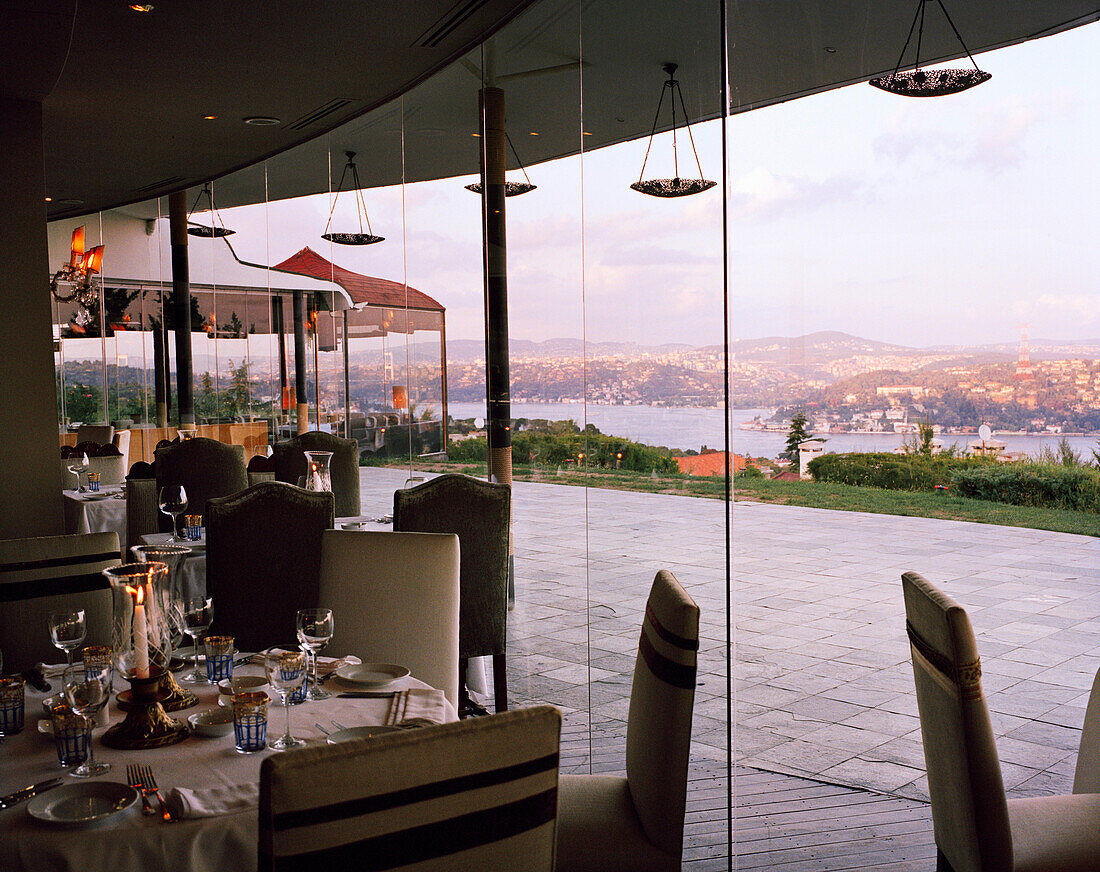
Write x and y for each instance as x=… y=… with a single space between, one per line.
x=908 y=472
x=1033 y=484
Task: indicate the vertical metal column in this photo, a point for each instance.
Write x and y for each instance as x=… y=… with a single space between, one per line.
x=347 y=381
x=278 y=325
x=497 y=383
x=300 y=360
x=161 y=386
x=181 y=291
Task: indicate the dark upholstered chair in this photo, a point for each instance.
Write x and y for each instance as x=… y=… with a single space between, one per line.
x=977 y=828
x=52 y=573
x=475 y=795
x=479 y=512
x=205 y=467
x=290 y=465
x=101 y=433
x=609 y=823
x=263 y=560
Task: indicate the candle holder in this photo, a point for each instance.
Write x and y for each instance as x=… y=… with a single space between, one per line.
x=171 y=556
x=141 y=637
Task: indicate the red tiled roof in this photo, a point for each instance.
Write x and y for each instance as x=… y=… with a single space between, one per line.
x=362 y=289
x=711 y=463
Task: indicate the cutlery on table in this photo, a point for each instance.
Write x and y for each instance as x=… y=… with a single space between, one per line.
x=323 y=730
x=339 y=725
x=367 y=694
x=149 y=781
x=28 y=792
x=133 y=777
x=36 y=678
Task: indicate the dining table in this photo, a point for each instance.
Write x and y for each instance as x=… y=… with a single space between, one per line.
x=129 y=841
x=102 y=511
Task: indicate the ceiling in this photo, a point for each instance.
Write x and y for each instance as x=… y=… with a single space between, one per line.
x=125 y=93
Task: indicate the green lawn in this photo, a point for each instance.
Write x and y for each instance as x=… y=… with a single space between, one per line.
x=840 y=497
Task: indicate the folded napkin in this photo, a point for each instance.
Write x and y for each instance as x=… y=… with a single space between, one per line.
x=51 y=670
x=212 y=801
x=419 y=705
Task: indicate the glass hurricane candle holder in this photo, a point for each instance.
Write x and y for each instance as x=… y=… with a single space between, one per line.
x=318 y=473
x=141 y=638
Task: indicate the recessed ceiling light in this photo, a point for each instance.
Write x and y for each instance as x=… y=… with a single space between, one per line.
x=262 y=121
x=141 y=7
x=533 y=133
x=587 y=133
x=475 y=134
x=209 y=117
x=49 y=199
x=830 y=49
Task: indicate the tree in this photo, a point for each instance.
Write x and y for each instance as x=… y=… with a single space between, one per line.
x=926 y=436
x=797 y=434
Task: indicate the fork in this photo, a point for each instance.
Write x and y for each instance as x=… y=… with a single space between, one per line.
x=149 y=781
x=134 y=777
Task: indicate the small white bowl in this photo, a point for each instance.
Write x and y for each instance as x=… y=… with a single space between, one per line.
x=242 y=684
x=213 y=722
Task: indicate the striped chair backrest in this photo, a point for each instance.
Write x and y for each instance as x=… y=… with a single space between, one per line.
x=52 y=573
x=658 y=735
x=476 y=794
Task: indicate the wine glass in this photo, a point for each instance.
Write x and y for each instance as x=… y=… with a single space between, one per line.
x=198 y=615
x=286 y=670
x=87 y=690
x=67 y=631
x=77 y=467
x=172 y=499
x=314 y=632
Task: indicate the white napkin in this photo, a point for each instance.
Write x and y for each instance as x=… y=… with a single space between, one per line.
x=51 y=670
x=212 y=801
x=417 y=704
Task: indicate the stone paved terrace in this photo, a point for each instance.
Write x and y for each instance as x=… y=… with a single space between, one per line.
x=824 y=688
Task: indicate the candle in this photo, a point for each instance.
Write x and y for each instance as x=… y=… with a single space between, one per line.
x=141 y=634
x=316 y=478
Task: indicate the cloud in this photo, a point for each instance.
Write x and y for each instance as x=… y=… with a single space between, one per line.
x=761 y=195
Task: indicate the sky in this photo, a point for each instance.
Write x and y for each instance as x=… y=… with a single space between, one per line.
x=953 y=220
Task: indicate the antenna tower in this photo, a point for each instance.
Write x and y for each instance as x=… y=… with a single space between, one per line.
x=1023 y=365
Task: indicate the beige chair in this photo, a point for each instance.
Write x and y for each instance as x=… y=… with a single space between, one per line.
x=636 y=824
x=121 y=441
x=101 y=433
x=976 y=828
x=395 y=599
x=471 y=796
x=52 y=573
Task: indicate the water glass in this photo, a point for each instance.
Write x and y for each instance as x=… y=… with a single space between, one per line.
x=250 y=722
x=286 y=672
x=192 y=527
x=315 y=628
x=71 y=735
x=172 y=499
x=198 y=615
x=12 y=703
x=219 y=657
x=87 y=691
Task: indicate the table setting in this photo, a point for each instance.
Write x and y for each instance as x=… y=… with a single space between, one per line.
x=174 y=777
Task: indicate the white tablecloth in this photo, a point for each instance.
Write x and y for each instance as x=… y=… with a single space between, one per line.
x=131 y=842
x=192 y=570
x=87 y=513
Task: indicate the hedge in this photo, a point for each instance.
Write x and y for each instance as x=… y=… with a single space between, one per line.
x=1033 y=484
x=908 y=472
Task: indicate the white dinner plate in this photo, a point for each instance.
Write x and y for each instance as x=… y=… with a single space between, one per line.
x=353 y=733
x=79 y=805
x=371 y=674
x=95 y=498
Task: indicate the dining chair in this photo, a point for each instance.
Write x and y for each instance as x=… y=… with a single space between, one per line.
x=395 y=599
x=977 y=829
x=53 y=573
x=263 y=560
x=478 y=512
x=205 y=467
x=290 y=465
x=475 y=795
x=101 y=433
x=121 y=441
x=635 y=823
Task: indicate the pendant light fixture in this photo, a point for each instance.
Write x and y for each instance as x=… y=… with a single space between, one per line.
x=511 y=189
x=360 y=238
x=214 y=230
x=674 y=187
x=930 y=83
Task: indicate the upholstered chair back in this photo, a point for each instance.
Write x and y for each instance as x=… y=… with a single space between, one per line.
x=969 y=810
x=478 y=794
x=263 y=560
x=290 y=465
x=478 y=512
x=407 y=583
x=101 y=433
x=205 y=467
x=53 y=573
x=658 y=736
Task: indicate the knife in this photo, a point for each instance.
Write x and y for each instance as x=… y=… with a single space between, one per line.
x=27 y=792
x=36 y=679
x=367 y=694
